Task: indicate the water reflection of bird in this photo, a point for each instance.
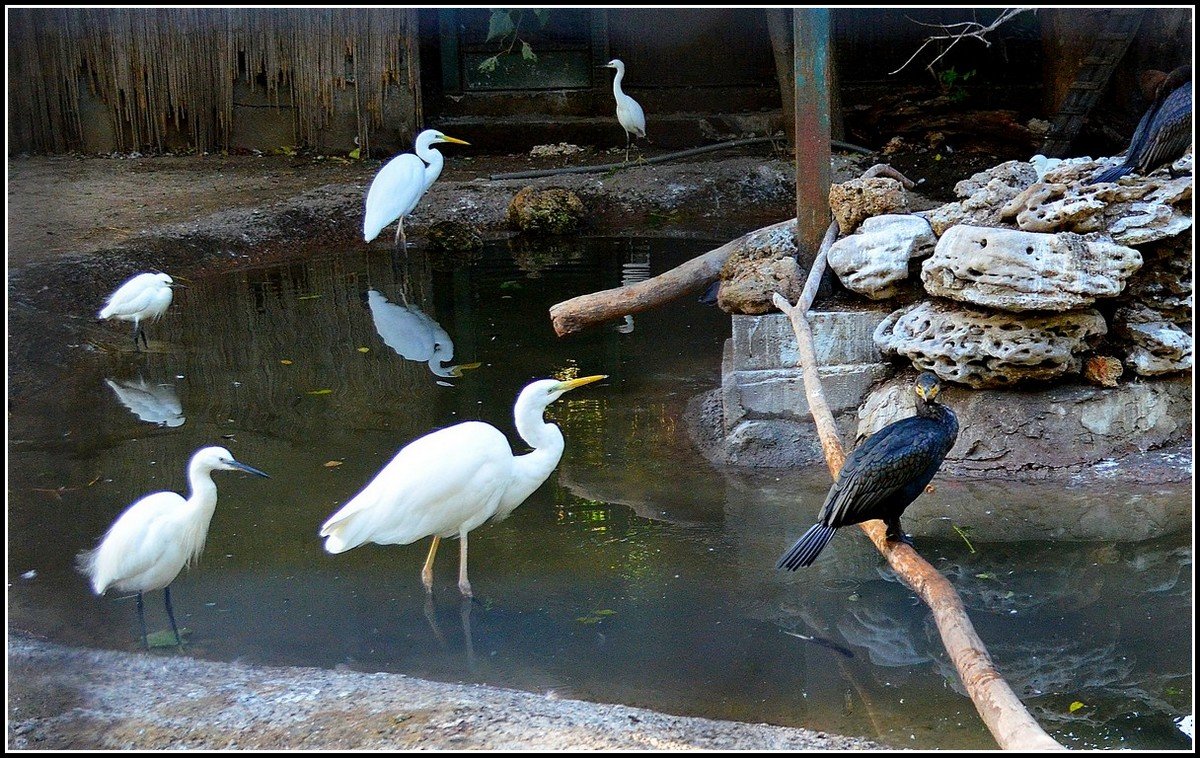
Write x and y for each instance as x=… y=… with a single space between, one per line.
x=629 y=112
x=152 y=403
x=399 y=185
x=452 y=480
x=636 y=269
x=414 y=335
x=150 y=543
x=145 y=297
x=883 y=475
x=1164 y=132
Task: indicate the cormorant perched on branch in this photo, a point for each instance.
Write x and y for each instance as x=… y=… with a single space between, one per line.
x=1164 y=132
x=883 y=475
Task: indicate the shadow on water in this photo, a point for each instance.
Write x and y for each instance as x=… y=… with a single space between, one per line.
x=636 y=574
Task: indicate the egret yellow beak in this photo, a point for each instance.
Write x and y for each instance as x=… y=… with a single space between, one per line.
x=460 y=368
x=455 y=140
x=571 y=384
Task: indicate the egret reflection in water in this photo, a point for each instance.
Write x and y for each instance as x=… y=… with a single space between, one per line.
x=152 y=403
x=414 y=335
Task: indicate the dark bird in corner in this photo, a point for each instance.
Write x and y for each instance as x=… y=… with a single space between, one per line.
x=883 y=475
x=1164 y=132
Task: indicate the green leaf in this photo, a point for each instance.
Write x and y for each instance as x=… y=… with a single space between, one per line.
x=355 y=153
x=1075 y=706
x=527 y=51
x=488 y=65
x=605 y=612
x=500 y=24
x=320 y=392
x=166 y=638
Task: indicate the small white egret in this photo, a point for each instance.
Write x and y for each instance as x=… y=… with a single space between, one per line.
x=629 y=113
x=399 y=185
x=452 y=480
x=150 y=543
x=414 y=335
x=145 y=297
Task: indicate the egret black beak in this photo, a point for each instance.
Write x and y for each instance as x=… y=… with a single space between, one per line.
x=571 y=384
x=248 y=469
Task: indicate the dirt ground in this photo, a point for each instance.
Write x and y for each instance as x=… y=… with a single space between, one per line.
x=77 y=226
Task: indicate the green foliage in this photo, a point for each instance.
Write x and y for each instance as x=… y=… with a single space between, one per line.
x=951 y=83
x=504 y=25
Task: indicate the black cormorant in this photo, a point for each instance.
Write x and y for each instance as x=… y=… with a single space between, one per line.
x=1164 y=132
x=883 y=474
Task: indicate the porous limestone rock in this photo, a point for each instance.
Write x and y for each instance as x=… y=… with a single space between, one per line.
x=981 y=349
x=1103 y=370
x=984 y=194
x=750 y=289
x=1024 y=271
x=859 y=199
x=1134 y=211
x=1164 y=283
x=763 y=263
x=875 y=259
x=548 y=211
x=1157 y=346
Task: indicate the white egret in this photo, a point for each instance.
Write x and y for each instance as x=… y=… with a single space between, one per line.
x=414 y=335
x=150 y=543
x=144 y=297
x=629 y=113
x=399 y=185
x=452 y=480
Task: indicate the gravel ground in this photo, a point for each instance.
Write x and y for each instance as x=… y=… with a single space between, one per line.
x=78 y=225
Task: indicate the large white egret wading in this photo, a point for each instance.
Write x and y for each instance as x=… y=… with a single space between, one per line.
x=145 y=297
x=150 y=543
x=629 y=113
x=452 y=480
x=399 y=185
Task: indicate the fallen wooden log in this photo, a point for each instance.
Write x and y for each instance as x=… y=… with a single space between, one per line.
x=578 y=313
x=1001 y=710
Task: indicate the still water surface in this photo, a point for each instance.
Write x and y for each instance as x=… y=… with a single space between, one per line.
x=637 y=574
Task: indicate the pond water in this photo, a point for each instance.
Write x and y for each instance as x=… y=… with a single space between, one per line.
x=637 y=574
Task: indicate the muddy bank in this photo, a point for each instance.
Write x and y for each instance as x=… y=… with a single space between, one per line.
x=64 y=698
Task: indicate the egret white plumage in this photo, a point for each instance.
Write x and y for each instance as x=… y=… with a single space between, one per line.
x=150 y=543
x=152 y=403
x=145 y=297
x=399 y=185
x=452 y=480
x=629 y=112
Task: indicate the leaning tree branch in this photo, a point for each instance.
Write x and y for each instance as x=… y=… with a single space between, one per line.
x=1001 y=710
x=965 y=30
x=580 y=312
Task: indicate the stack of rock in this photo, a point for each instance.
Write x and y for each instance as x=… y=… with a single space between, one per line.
x=1034 y=274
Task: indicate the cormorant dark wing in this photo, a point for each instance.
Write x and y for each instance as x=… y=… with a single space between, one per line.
x=1169 y=131
x=883 y=471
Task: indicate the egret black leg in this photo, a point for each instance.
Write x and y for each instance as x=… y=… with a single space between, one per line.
x=627 y=147
x=145 y=341
x=171 y=615
x=142 y=620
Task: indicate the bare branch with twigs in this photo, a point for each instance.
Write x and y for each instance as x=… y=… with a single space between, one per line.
x=958 y=32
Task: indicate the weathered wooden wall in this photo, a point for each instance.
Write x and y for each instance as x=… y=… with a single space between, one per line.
x=99 y=80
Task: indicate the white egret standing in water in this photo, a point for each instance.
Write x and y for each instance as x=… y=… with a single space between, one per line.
x=399 y=185
x=452 y=480
x=145 y=297
x=629 y=112
x=150 y=543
